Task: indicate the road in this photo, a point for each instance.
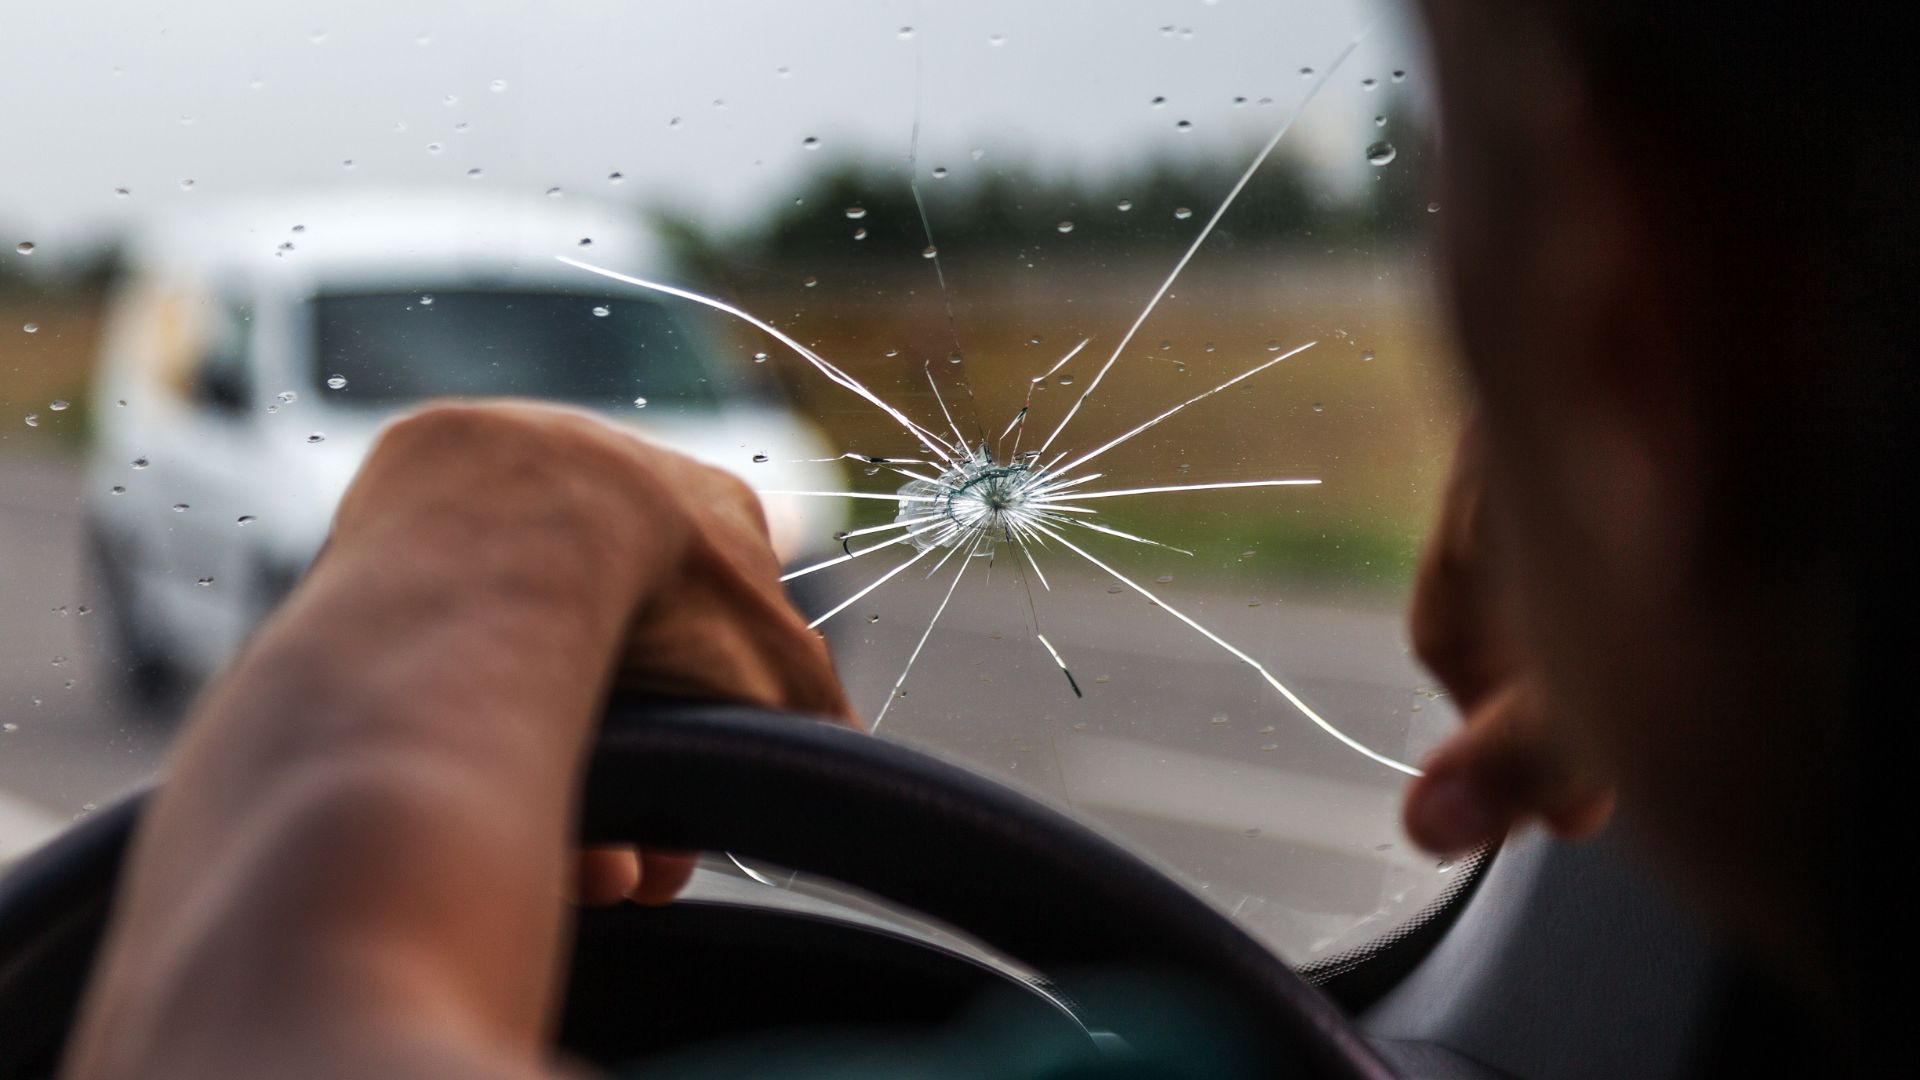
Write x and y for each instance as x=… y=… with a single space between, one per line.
x=1176 y=747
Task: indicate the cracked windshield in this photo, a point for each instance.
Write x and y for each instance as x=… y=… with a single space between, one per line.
x=1085 y=355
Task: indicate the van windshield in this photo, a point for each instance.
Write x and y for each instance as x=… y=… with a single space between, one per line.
x=387 y=348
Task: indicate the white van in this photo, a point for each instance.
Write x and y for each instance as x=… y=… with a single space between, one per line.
x=252 y=353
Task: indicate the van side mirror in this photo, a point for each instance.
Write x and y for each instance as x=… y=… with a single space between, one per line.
x=221 y=385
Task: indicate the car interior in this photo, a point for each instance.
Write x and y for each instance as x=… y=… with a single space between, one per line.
x=1181 y=859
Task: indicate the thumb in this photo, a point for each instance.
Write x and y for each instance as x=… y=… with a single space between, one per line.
x=1506 y=765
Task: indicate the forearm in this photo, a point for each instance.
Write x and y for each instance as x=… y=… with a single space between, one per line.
x=364 y=831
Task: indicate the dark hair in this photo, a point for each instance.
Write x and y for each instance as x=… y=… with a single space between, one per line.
x=1782 y=138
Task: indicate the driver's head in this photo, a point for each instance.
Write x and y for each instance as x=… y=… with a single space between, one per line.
x=1675 y=237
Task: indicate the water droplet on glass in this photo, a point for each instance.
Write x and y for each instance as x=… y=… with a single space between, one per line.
x=1183 y=125
x=1369 y=83
x=639 y=403
x=1219 y=718
x=1433 y=208
x=140 y=463
x=434 y=148
x=1399 y=76
x=245 y=519
x=1380 y=153
x=1379 y=121
x=498 y=86
x=450 y=100
x=1113 y=590
x=1182 y=213
x=58 y=405
x=288 y=397
x=1157 y=102
x=602 y=311
x=24 y=247
x=612 y=178
x=954 y=358
x=1306 y=73
x=810 y=282
x=905 y=32
x=317 y=437
x=347 y=164
x=31 y=328
x=585 y=241
x=1368 y=355
x=121 y=193
x=554 y=193
x=929 y=252
x=474 y=174
x=1208 y=347
x=1164 y=579
x=1273 y=346
x=33 y=419
x=204 y=582
x=1066 y=380
x=860 y=233
x=940 y=172
x=336 y=382
x=856 y=212
x=760 y=459
x=1124 y=205
x=1269 y=747
x=181 y=508
x=1443 y=865
x=1318 y=407
x=117 y=490
x=811 y=142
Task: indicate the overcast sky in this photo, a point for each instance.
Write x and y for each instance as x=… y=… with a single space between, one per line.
x=704 y=105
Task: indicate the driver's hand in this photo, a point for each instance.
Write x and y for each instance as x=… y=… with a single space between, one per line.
x=710 y=621
x=1510 y=762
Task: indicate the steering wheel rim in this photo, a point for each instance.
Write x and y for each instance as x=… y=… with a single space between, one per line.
x=1014 y=874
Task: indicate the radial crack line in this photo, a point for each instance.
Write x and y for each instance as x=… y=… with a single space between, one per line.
x=833 y=373
x=1020 y=418
x=885 y=496
x=1240 y=655
x=1232 y=194
x=852 y=555
x=942 y=402
x=1124 y=535
x=894 y=694
x=855 y=598
x=1081 y=496
x=1143 y=428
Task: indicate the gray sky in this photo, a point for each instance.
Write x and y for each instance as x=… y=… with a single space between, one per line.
x=244 y=97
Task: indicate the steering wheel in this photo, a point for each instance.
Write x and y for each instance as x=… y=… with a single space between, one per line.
x=899 y=824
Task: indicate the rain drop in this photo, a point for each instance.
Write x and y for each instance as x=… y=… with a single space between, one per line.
x=613 y=178
x=1433 y=208
x=811 y=142
x=140 y=463
x=433 y=148
x=31 y=328
x=1399 y=76
x=58 y=405
x=204 y=582
x=498 y=86
x=1183 y=213
x=1124 y=205
x=855 y=213
x=1319 y=407
x=1065 y=227
x=33 y=419
x=860 y=233
x=905 y=32
x=288 y=397
x=245 y=519
x=1164 y=579
x=1369 y=84
x=121 y=193
x=1380 y=153
x=1306 y=73
x=586 y=241
x=996 y=39
x=760 y=459
x=474 y=174
x=602 y=311
x=1183 y=125
x=336 y=382
x=1157 y=102
x=639 y=403
x=810 y=282
x=24 y=247
x=940 y=172
x=181 y=508
x=759 y=358
x=1273 y=346
x=554 y=193
x=316 y=437
x=929 y=252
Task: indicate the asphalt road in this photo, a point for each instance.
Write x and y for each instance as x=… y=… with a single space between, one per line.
x=1176 y=747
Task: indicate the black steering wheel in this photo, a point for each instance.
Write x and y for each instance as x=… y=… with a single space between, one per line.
x=899 y=824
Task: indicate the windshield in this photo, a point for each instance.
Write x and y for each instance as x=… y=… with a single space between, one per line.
x=389 y=347
x=1086 y=356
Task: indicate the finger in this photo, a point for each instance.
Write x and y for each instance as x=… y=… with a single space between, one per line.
x=605 y=875
x=663 y=874
x=1507 y=765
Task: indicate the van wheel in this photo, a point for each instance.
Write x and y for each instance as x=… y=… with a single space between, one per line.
x=137 y=662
